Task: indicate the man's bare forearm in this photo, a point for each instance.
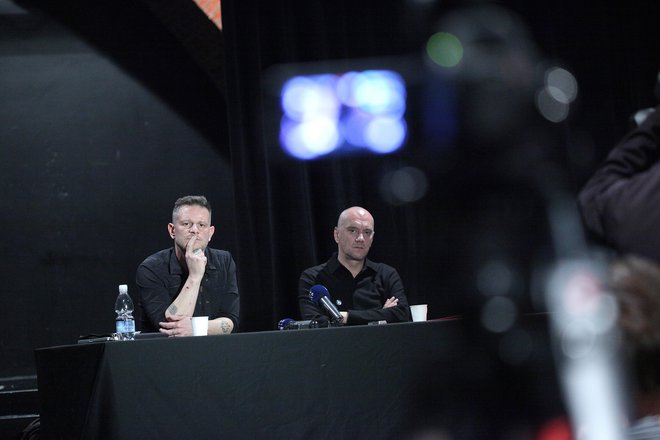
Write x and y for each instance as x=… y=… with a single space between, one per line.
x=184 y=303
x=221 y=326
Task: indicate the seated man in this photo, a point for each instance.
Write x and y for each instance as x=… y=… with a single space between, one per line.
x=188 y=279
x=364 y=291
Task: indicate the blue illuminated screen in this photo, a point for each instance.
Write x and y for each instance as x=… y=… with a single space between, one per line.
x=349 y=112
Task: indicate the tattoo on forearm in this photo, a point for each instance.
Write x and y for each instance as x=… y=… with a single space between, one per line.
x=172 y=309
x=225 y=327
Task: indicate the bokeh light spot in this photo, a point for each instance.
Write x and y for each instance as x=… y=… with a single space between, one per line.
x=498 y=314
x=444 y=49
x=404 y=185
x=360 y=110
x=563 y=80
x=384 y=134
x=550 y=108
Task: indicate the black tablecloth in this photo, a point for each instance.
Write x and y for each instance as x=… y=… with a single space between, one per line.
x=369 y=382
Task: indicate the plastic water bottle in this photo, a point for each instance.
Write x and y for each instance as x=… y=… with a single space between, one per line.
x=124 y=309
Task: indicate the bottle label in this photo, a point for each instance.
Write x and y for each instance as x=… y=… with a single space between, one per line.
x=129 y=326
x=121 y=326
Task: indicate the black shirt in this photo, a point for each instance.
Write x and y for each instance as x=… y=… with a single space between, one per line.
x=620 y=204
x=160 y=278
x=363 y=296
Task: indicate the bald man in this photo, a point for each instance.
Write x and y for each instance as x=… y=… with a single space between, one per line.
x=362 y=290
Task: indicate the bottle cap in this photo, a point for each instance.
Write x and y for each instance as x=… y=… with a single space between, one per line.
x=123 y=288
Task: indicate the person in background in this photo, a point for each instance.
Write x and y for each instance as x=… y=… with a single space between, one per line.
x=635 y=283
x=620 y=202
x=362 y=290
x=188 y=279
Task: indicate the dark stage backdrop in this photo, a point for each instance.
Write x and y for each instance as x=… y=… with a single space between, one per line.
x=110 y=113
x=483 y=219
x=106 y=120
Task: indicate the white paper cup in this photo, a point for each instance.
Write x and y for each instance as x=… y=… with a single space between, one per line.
x=200 y=325
x=418 y=312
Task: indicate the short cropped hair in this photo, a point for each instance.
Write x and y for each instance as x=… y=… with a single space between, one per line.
x=190 y=201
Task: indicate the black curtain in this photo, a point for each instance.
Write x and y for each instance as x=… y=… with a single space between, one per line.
x=285 y=208
x=482 y=227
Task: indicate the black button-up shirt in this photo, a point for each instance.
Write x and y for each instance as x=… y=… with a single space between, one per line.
x=362 y=297
x=160 y=278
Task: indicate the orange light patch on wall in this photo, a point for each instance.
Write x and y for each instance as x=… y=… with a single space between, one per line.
x=212 y=10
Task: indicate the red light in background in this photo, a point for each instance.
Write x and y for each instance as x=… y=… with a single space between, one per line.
x=555 y=429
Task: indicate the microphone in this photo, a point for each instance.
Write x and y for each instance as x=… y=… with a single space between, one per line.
x=319 y=294
x=291 y=324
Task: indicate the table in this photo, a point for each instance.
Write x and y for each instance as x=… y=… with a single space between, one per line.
x=367 y=382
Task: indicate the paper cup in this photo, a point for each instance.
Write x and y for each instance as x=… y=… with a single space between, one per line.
x=200 y=325
x=418 y=312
